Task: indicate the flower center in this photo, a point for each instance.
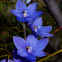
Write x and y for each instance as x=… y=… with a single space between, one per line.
x=29 y=49
x=25 y=13
x=35 y=28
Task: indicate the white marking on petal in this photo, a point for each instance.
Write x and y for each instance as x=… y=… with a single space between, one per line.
x=35 y=29
x=38 y=26
x=30 y=49
x=25 y=13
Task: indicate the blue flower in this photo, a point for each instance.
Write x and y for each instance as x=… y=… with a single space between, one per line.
x=31 y=48
x=24 y=13
x=38 y=29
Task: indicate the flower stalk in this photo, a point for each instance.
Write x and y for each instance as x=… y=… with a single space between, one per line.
x=24 y=28
x=57 y=30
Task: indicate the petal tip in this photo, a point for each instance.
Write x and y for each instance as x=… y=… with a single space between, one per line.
x=14 y=36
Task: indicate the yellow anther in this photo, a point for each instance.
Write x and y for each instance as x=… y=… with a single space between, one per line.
x=35 y=27
x=27 y=47
x=24 y=11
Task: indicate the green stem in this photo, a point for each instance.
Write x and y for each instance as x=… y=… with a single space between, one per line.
x=3 y=56
x=42 y=3
x=24 y=28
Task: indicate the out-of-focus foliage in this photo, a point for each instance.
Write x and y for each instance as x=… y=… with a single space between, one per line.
x=10 y=27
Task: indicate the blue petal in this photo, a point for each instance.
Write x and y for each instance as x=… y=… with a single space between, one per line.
x=33 y=61
x=38 y=53
x=33 y=16
x=20 y=5
x=29 y=23
x=10 y=60
x=40 y=35
x=31 y=58
x=19 y=42
x=46 y=28
x=17 y=13
x=29 y=19
x=38 y=22
x=46 y=34
x=22 y=52
x=27 y=1
x=31 y=8
x=31 y=41
x=36 y=14
x=21 y=19
x=3 y=60
x=41 y=44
